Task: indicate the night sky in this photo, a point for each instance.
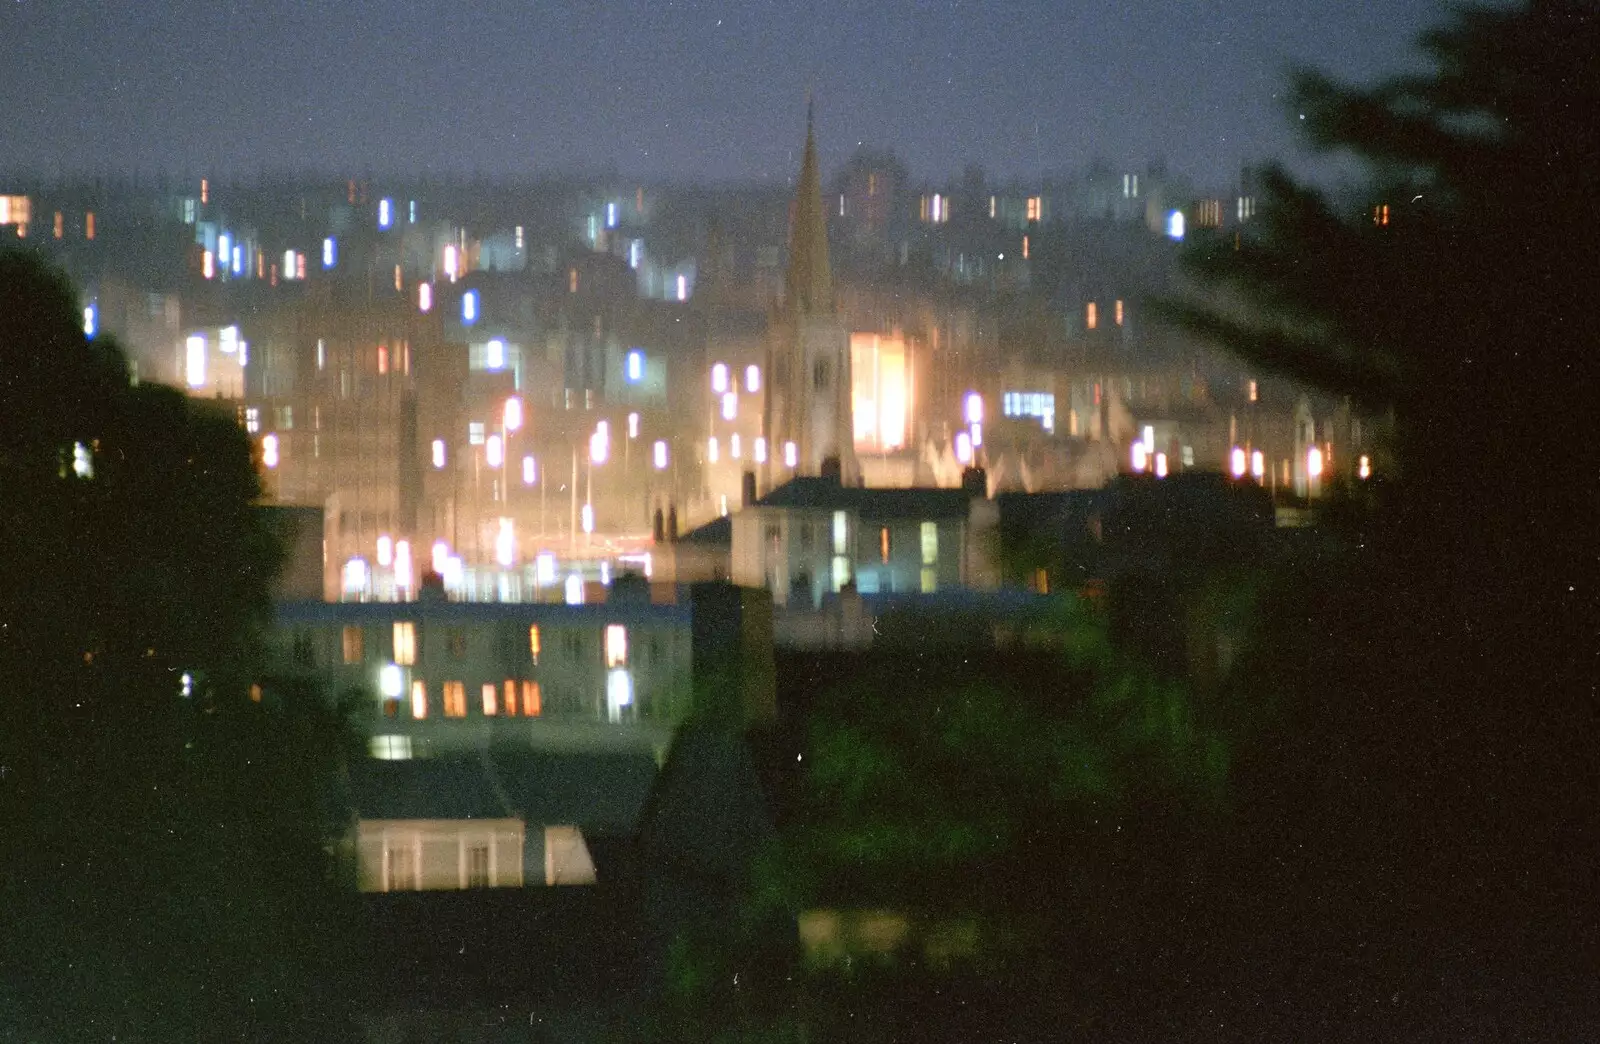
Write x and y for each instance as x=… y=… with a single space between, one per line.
x=663 y=89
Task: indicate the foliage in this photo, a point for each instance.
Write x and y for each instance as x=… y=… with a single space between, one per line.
x=163 y=864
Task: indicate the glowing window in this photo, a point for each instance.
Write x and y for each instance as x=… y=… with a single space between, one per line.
x=841 y=532
x=438 y=453
x=469 y=307
x=752 y=378
x=1091 y=317
x=424 y=297
x=930 y=543
x=354 y=645
x=455 y=700
x=491 y=700
x=419 y=699
x=509 y=691
x=719 y=378
x=660 y=452
x=616 y=645
x=533 y=643
x=405 y=642
x=635 y=366
x=930 y=580
x=883 y=545
x=532 y=699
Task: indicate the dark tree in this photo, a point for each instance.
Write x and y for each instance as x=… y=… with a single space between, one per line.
x=163 y=865
x=1442 y=677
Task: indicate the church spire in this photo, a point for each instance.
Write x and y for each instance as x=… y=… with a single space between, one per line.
x=808 y=284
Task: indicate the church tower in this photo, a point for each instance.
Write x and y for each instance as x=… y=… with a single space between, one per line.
x=809 y=398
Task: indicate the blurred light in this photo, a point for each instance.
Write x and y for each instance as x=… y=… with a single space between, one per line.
x=619 y=691
x=186 y=685
x=605 y=574
x=791 y=455
x=633 y=425
x=195 y=360
x=424 y=297
x=454 y=572
x=82 y=461
x=611 y=215
x=513 y=414
x=469 y=307
x=412 y=213
x=385 y=213
x=977 y=435
x=1149 y=438
x=711 y=449
x=730 y=406
x=355 y=576
x=330 y=252
x=1175 y=225
x=391 y=681
x=1258 y=465
x=599 y=447
x=450 y=267
x=438 y=453
x=494 y=451
x=505 y=543
x=228 y=340
x=495 y=355
x=635 y=253
x=661 y=455
x=530 y=471
x=208 y=265
x=963 y=447
x=1314 y=462
x=733 y=445
x=385 y=550
x=633 y=370
x=1161 y=465
x=683 y=288
x=574 y=592
x=289 y=264
x=752 y=378
x=1141 y=457
x=224 y=242
x=441 y=555
x=545 y=568
x=1237 y=463
x=1365 y=468
x=761 y=450
x=587 y=514
x=719 y=378
x=269 y=450
x=403 y=575
x=238 y=260
x=89 y=324
x=974 y=408
x=603 y=428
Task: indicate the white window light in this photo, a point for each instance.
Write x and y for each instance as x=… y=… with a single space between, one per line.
x=330 y=252
x=574 y=589
x=403 y=573
x=760 y=450
x=711 y=449
x=719 y=378
x=424 y=297
x=438 y=453
x=633 y=367
x=385 y=550
x=391 y=681
x=385 y=213
x=619 y=692
x=752 y=378
x=494 y=352
x=587 y=515
x=730 y=406
x=545 y=569
x=494 y=451
x=505 y=543
x=633 y=425
x=791 y=455
x=530 y=471
x=661 y=455
x=734 y=446
x=195 y=360
x=469 y=307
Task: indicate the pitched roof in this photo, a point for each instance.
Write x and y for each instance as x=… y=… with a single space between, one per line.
x=599 y=792
x=826 y=494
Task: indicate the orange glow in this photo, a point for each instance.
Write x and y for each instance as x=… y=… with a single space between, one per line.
x=205 y=190
x=881 y=392
x=60 y=222
x=883 y=545
x=419 y=699
x=88 y=225
x=1119 y=313
x=510 y=690
x=455 y=700
x=208 y=265
x=490 y=697
x=1091 y=316
x=383 y=358
x=1024 y=248
x=532 y=699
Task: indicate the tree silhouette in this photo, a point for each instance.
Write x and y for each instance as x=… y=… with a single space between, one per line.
x=162 y=863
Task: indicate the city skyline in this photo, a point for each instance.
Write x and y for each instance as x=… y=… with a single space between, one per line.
x=699 y=91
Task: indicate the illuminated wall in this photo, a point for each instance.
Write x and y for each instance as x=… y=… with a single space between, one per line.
x=881 y=396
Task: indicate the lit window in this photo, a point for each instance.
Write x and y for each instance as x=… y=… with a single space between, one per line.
x=930 y=543
x=616 y=645
x=354 y=646
x=883 y=545
x=733 y=445
x=1119 y=312
x=419 y=699
x=390 y=748
x=841 y=532
x=791 y=455
x=532 y=699
x=635 y=366
x=469 y=307
x=438 y=453
x=711 y=449
x=1091 y=317
x=88 y=223
x=930 y=580
x=619 y=694
x=455 y=700
x=424 y=297
x=510 y=690
x=752 y=378
x=405 y=642
x=491 y=699
x=533 y=643
x=719 y=378
x=195 y=360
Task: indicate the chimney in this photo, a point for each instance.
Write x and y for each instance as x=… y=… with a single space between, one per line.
x=975 y=482
x=658 y=527
x=833 y=470
x=747 y=487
